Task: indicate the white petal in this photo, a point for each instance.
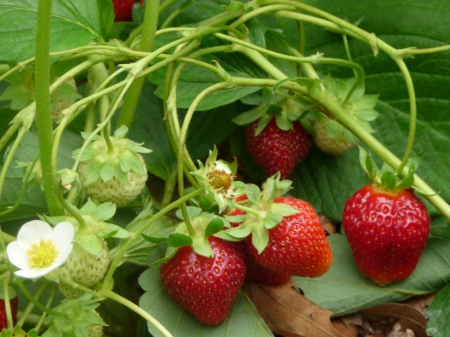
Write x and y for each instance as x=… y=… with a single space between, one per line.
x=63 y=235
x=221 y=166
x=62 y=257
x=17 y=256
x=33 y=232
x=33 y=272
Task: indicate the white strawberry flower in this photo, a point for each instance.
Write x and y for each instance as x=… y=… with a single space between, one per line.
x=39 y=248
x=218 y=180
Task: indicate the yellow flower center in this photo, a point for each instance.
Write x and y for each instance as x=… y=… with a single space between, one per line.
x=42 y=255
x=220 y=180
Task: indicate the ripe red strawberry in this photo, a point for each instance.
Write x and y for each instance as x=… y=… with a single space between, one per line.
x=3 y=320
x=206 y=287
x=123 y=9
x=298 y=245
x=387 y=232
x=256 y=272
x=278 y=150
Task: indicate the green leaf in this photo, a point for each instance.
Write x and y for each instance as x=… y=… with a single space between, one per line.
x=192 y=212
x=242 y=320
x=239 y=232
x=333 y=128
x=33 y=201
x=327 y=181
x=66 y=91
x=105 y=211
x=384 y=78
x=283 y=209
x=213 y=227
x=107 y=171
x=272 y=220
x=91 y=243
x=389 y=179
x=74 y=24
x=438 y=314
x=260 y=237
x=179 y=240
x=348 y=290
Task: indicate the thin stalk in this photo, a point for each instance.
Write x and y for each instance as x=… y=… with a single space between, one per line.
x=260 y=11
x=182 y=143
x=43 y=107
x=47 y=305
x=7 y=304
x=137 y=309
x=125 y=244
x=29 y=308
x=146 y=45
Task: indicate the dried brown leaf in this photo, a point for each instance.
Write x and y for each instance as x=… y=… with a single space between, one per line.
x=407 y=316
x=289 y=313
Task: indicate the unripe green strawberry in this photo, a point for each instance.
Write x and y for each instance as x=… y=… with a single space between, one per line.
x=61 y=102
x=112 y=171
x=113 y=190
x=387 y=231
x=332 y=144
x=95 y=330
x=84 y=268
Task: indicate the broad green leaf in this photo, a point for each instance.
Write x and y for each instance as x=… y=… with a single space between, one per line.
x=430 y=73
x=242 y=320
x=33 y=201
x=327 y=181
x=438 y=314
x=348 y=290
x=74 y=23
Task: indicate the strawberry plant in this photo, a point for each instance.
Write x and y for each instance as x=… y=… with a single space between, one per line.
x=160 y=159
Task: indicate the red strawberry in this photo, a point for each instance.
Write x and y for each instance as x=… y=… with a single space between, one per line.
x=206 y=287
x=123 y=9
x=387 y=232
x=256 y=272
x=278 y=150
x=3 y=320
x=298 y=245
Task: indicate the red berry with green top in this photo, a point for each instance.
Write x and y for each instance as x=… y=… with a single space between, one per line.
x=298 y=245
x=276 y=150
x=387 y=231
x=123 y=9
x=14 y=306
x=205 y=287
x=256 y=272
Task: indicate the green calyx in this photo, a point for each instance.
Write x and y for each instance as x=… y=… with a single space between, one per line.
x=284 y=110
x=106 y=162
x=262 y=213
x=352 y=98
x=91 y=237
x=386 y=177
x=80 y=315
x=204 y=225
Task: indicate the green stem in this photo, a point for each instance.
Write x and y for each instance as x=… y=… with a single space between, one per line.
x=146 y=44
x=413 y=112
x=9 y=133
x=260 y=11
x=182 y=143
x=7 y=304
x=43 y=108
x=29 y=308
x=125 y=244
x=36 y=303
x=137 y=309
x=47 y=305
